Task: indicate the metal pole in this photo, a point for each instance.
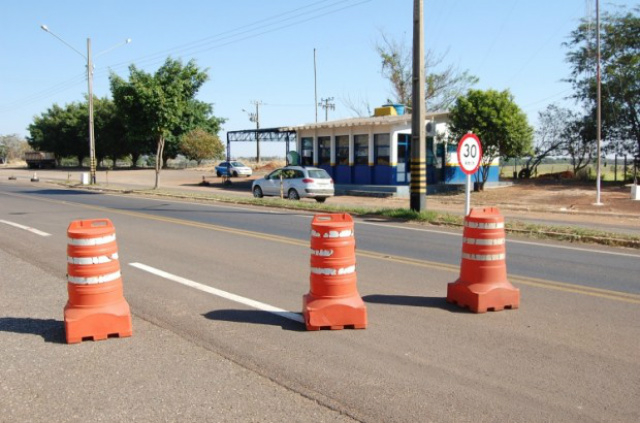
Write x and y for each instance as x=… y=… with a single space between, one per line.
x=598 y=107
x=92 y=140
x=467 y=191
x=315 y=83
x=418 y=200
x=258 y=132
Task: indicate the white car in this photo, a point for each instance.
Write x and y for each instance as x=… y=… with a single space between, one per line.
x=295 y=182
x=233 y=168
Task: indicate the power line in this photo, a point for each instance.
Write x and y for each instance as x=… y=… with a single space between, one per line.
x=317 y=10
x=241 y=34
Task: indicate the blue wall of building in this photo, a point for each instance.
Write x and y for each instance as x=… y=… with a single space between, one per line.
x=388 y=175
x=361 y=174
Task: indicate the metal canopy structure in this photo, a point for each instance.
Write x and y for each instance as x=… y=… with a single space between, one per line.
x=285 y=135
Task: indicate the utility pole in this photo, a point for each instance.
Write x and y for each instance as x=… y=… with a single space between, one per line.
x=418 y=198
x=326 y=104
x=255 y=117
x=315 y=82
x=92 y=138
x=89 y=59
x=598 y=106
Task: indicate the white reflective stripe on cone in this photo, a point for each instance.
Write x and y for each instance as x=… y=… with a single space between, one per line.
x=483 y=257
x=342 y=234
x=333 y=272
x=481 y=241
x=95 y=279
x=322 y=253
x=92 y=260
x=93 y=241
x=479 y=225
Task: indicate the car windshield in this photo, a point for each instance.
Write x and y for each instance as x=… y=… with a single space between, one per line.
x=318 y=174
x=237 y=164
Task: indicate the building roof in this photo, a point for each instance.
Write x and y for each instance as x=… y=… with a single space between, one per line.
x=363 y=121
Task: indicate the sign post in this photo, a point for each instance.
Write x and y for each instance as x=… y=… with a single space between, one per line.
x=469 y=158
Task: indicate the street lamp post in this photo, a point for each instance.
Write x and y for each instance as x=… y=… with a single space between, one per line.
x=88 y=58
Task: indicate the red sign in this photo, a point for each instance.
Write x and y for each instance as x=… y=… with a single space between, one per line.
x=469 y=153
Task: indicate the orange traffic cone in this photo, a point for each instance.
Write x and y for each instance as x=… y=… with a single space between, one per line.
x=333 y=301
x=96 y=308
x=483 y=284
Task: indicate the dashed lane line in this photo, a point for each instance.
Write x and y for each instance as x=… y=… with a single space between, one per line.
x=26 y=228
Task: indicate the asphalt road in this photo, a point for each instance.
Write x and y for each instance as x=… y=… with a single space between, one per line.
x=570 y=353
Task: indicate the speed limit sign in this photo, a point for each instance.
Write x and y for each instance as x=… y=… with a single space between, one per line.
x=469 y=153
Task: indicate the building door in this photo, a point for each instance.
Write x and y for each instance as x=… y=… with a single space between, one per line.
x=404 y=160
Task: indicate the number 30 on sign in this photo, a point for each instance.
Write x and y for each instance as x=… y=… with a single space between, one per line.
x=469 y=153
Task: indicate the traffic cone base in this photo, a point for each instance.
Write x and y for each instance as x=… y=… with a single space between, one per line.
x=97 y=323
x=334 y=314
x=480 y=298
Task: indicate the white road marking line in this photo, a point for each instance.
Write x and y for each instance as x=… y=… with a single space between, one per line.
x=26 y=228
x=296 y=317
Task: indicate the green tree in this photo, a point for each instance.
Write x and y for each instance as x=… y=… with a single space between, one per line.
x=110 y=135
x=443 y=84
x=499 y=123
x=154 y=105
x=197 y=115
x=61 y=130
x=199 y=144
x=620 y=76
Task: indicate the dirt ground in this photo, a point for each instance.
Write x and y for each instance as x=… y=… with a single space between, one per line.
x=556 y=201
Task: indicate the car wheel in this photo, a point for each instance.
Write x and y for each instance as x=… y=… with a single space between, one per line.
x=235 y=174
x=218 y=174
x=293 y=194
x=257 y=192
x=321 y=199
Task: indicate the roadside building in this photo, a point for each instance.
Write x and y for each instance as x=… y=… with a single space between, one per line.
x=376 y=150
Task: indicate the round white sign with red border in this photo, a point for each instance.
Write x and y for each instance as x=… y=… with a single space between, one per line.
x=469 y=153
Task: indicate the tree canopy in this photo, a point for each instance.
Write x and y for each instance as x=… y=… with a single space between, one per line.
x=497 y=120
x=154 y=106
x=620 y=76
x=199 y=144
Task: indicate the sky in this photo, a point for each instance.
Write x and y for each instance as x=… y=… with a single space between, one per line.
x=263 y=51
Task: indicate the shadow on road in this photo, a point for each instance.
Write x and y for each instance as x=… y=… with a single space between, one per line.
x=255 y=317
x=413 y=301
x=49 y=329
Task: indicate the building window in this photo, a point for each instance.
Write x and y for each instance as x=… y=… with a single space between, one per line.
x=324 y=150
x=361 y=149
x=307 y=151
x=431 y=158
x=381 y=149
x=342 y=149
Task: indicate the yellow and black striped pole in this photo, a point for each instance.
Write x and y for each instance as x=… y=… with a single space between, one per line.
x=418 y=198
x=418 y=183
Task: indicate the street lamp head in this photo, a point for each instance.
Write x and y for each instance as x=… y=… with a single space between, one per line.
x=44 y=27
x=128 y=40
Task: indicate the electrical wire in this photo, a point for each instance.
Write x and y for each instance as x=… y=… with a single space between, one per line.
x=254 y=29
